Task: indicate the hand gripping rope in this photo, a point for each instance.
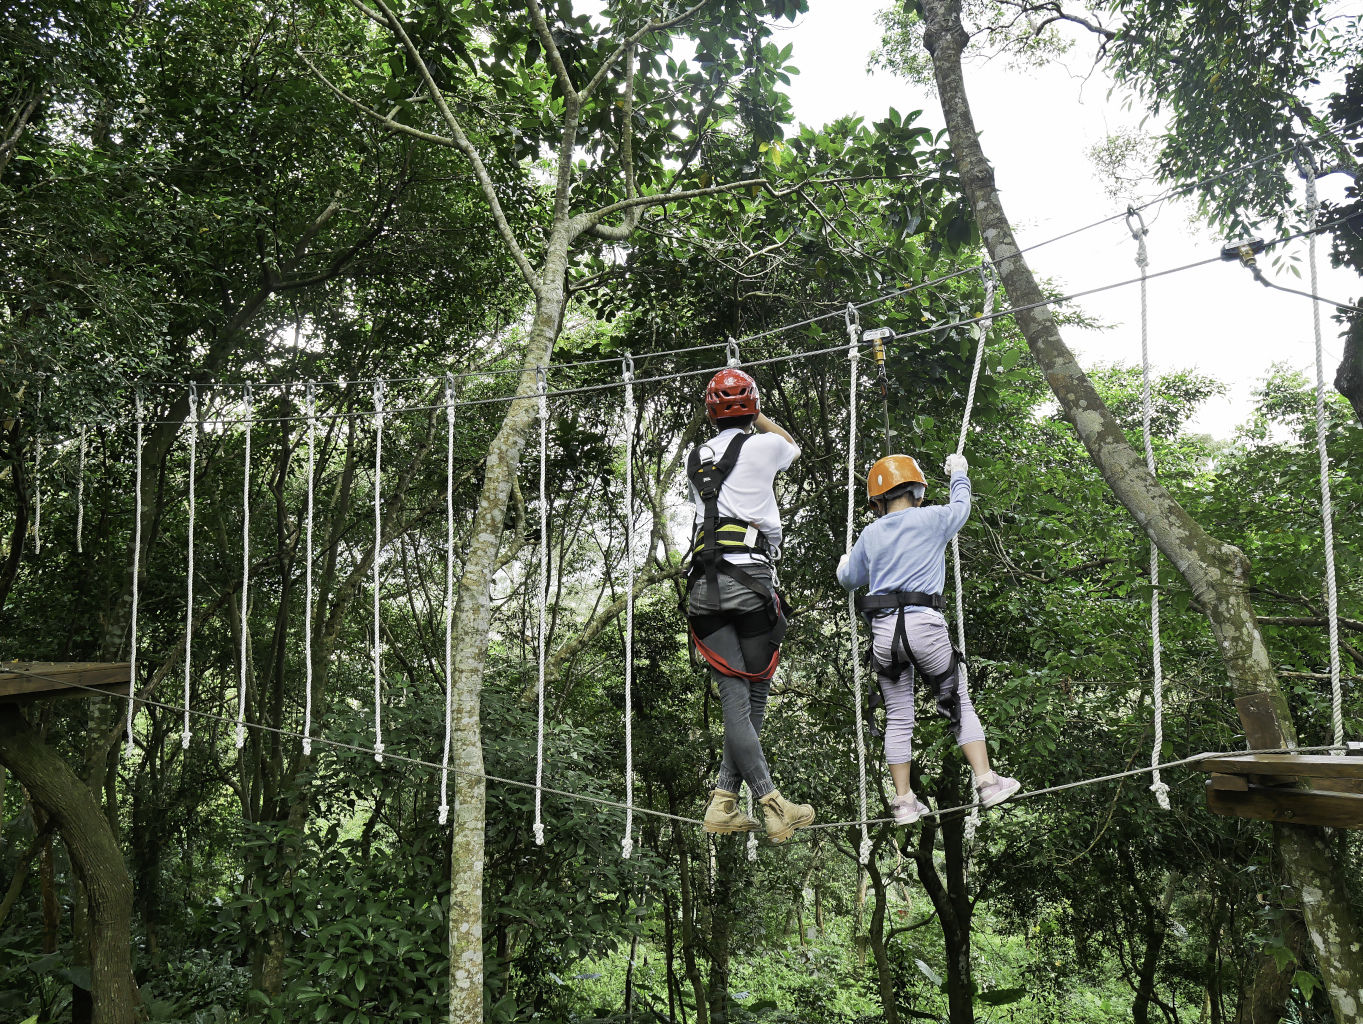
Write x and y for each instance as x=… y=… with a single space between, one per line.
x=853 y=323
x=311 y=404
x=449 y=596
x=193 y=423
x=378 y=551
x=1307 y=168
x=1135 y=223
x=542 y=385
x=981 y=338
x=245 y=573
x=627 y=843
x=129 y=749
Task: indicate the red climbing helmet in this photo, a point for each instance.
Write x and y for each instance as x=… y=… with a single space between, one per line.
x=730 y=393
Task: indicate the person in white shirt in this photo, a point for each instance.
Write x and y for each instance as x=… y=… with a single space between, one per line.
x=733 y=608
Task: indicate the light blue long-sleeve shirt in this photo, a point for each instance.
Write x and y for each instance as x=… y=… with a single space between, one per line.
x=906 y=550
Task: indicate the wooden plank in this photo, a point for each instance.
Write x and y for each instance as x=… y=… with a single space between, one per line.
x=30 y=679
x=1229 y=782
x=1289 y=806
x=1259 y=716
x=1314 y=766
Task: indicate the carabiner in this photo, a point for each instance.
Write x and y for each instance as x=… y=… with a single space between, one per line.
x=732 y=350
x=627 y=362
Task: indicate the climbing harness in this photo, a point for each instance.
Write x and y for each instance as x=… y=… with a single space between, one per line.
x=245 y=572
x=716 y=537
x=1135 y=223
x=853 y=325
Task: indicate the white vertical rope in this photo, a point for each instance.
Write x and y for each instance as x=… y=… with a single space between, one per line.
x=543 y=599
x=38 y=481
x=449 y=597
x=972 y=822
x=80 y=492
x=1157 y=785
x=311 y=402
x=378 y=550
x=129 y=749
x=752 y=836
x=631 y=415
x=854 y=355
x=193 y=421
x=245 y=570
x=1307 y=167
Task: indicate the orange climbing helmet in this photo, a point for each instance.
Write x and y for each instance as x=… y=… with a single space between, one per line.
x=730 y=393
x=891 y=473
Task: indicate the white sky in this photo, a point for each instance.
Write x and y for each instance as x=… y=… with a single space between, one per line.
x=1036 y=129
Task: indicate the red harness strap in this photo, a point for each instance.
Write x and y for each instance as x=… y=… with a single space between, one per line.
x=722 y=666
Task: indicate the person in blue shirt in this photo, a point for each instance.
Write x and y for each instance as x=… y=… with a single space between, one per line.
x=901 y=560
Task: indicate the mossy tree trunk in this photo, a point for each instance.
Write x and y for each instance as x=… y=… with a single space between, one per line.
x=1216 y=572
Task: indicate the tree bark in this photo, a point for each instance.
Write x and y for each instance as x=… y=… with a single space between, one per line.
x=95 y=856
x=1349 y=375
x=1217 y=573
x=472 y=622
x=1265 y=1000
x=889 y=1002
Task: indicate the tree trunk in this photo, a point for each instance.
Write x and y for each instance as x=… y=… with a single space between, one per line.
x=1349 y=375
x=1265 y=1001
x=1156 y=929
x=889 y=1002
x=95 y=856
x=1217 y=573
x=472 y=621
x=687 y=914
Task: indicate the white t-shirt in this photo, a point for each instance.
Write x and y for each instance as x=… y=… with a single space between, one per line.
x=748 y=492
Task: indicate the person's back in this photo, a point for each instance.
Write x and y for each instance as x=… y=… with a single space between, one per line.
x=901 y=559
x=905 y=549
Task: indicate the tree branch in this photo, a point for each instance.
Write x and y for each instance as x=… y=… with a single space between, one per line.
x=630 y=40
x=457 y=140
x=551 y=51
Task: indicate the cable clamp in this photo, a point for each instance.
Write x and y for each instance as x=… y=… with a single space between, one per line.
x=1306 y=163
x=1244 y=250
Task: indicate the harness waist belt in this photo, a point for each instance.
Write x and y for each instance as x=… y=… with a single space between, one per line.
x=899 y=599
x=731 y=535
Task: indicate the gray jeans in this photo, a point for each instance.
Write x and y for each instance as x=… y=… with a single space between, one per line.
x=926 y=630
x=745 y=703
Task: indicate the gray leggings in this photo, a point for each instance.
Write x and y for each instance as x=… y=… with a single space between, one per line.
x=745 y=703
x=930 y=642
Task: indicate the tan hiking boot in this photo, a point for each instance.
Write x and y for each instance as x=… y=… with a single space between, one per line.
x=723 y=815
x=784 y=817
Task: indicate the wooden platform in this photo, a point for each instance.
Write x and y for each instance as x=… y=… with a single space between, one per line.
x=28 y=680
x=1298 y=789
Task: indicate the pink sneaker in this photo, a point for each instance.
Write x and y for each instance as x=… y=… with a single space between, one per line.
x=994 y=789
x=907 y=809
